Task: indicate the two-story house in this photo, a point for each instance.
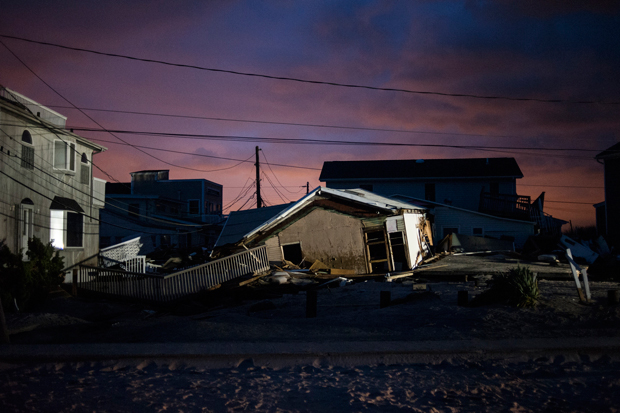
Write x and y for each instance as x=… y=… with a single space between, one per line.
x=452 y=187
x=457 y=182
x=608 y=212
x=162 y=211
x=47 y=188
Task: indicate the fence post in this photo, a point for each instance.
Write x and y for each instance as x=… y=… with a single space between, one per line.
x=311 y=300
x=385 y=298
x=74 y=282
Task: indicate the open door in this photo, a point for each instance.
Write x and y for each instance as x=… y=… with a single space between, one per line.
x=377 y=250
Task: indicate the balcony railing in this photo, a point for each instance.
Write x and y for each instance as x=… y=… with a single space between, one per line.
x=505 y=205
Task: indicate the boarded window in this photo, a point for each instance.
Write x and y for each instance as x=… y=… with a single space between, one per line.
x=27 y=157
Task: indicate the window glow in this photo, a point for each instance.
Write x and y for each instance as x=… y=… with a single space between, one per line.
x=57 y=224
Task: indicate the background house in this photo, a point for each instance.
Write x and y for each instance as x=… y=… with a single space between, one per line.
x=448 y=219
x=608 y=213
x=46 y=181
x=485 y=185
x=163 y=212
x=346 y=229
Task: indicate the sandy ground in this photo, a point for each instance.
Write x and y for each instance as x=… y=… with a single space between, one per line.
x=543 y=385
x=562 y=382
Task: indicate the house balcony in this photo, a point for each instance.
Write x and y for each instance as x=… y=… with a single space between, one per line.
x=505 y=205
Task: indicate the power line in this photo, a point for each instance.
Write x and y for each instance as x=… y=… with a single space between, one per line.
x=310 y=141
x=89 y=117
x=316 y=82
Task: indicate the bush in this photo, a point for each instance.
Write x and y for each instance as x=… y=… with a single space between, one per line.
x=518 y=288
x=28 y=283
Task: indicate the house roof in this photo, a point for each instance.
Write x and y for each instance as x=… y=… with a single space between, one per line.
x=265 y=220
x=426 y=168
x=611 y=152
x=240 y=223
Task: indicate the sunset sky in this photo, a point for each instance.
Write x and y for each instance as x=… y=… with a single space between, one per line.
x=532 y=50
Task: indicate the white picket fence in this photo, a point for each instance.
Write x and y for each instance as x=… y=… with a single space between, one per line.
x=170 y=287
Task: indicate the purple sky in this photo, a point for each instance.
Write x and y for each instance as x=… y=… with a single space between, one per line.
x=540 y=50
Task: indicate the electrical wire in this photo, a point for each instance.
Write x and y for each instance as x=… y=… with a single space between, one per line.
x=316 y=82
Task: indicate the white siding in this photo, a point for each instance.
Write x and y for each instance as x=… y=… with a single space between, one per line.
x=466 y=221
x=462 y=193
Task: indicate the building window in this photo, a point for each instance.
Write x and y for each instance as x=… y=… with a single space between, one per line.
x=66 y=229
x=494 y=187
x=164 y=239
x=64 y=156
x=429 y=192
x=84 y=170
x=27 y=151
x=450 y=230
x=367 y=187
x=478 y=232
x=194 y=206
x=134 y=210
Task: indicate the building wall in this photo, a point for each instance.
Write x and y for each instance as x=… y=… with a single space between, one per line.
x=40 y=183
x=330 y=237
x=462 y=193
x=612 y=200
x=465 y=222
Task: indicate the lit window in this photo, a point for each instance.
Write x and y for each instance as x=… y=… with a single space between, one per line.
x=66 y=229
x=64 y=156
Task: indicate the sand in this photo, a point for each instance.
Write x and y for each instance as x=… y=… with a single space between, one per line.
x=579 y=382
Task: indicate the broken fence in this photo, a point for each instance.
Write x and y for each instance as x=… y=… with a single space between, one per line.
x=165 y=288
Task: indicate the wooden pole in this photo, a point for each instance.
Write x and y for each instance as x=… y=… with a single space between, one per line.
x=463 y=298
x=259 y=199
x=385 y=299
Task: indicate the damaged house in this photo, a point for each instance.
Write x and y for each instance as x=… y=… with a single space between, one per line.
x=343 y=229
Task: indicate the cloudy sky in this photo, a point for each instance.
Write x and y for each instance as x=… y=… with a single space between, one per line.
x=542 y=59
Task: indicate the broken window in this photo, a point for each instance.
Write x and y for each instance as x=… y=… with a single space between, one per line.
x=292 y=253
x=429 y=192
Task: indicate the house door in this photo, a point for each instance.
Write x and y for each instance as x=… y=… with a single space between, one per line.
x=26 y=212
x=377 y=250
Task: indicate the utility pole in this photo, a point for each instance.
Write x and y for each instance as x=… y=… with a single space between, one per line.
x=307 y=188
x=259 y=200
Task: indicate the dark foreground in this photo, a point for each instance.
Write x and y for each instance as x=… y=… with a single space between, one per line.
x=547 y=384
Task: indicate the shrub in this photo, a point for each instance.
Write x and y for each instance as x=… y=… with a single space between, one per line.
x=518 y=288
x=28 y=283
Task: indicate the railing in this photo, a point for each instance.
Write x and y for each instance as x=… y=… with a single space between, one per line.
x=505 y=205
x=166 y=288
